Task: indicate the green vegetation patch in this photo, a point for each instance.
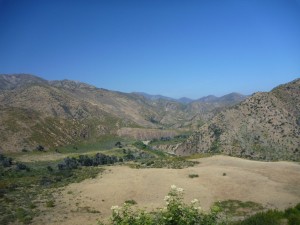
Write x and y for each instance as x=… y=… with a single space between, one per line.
x=131 y=202
x=293 y=215
x=239 y=208
x=193 y=175
x=270 y=217
x=166 y=162
x=24 y=186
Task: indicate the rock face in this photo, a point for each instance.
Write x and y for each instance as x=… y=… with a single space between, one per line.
x=265 y=126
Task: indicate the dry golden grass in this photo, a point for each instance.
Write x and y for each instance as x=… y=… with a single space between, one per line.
x=273 y=184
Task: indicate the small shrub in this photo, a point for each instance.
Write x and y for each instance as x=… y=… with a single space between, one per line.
x=50 y=204
x=224 y=174
x=50 y=169
x=40 y=148
x=193 y=175
x=32 y=206
x=5 y=161
x=21 y=166
x=131 y=202
x=23 y=216
x=139 y=145
x=119 y=144
x=46 y=181
x=93 y=211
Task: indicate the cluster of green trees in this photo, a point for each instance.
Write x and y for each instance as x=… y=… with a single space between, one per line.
x=84 y=160
x=8 y=162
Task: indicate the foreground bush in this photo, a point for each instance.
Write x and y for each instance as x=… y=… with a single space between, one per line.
x=176 y=212
x=290 y=216
x=270 y=217
x=293 y=215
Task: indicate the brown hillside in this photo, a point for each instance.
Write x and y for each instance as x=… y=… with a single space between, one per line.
x=265 y=126
x=35 y=112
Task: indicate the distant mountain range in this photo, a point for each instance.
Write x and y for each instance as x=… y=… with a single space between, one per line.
x=34 y=111
x=230 y=98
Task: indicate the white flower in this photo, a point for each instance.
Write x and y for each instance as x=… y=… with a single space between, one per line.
x=194 y=201
x=167 y=198
x=115 y=208
x=179 y=189
x=173 y=187
x=198 y=208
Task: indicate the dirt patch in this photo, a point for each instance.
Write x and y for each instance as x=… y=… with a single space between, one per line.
x=273 y=184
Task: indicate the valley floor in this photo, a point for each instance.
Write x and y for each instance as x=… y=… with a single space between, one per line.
x=273 y=184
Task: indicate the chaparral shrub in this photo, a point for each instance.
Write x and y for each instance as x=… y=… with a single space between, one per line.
x=176 y=212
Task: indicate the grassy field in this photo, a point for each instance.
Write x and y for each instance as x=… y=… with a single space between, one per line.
x=246 y=188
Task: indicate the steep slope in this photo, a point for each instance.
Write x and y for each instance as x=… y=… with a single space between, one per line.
x=149 y=113
x=44 y=115
x=265 y=126
x=54 y=113
x=35 y=112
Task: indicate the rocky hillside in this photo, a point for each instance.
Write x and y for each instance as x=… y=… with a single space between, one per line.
x=36 y=112
x=265 y=126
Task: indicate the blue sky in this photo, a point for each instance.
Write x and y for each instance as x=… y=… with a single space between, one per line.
x=174 y=48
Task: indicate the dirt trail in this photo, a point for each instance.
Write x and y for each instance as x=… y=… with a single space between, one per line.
x=273 y=184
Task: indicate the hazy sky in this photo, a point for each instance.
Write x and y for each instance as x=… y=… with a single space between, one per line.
x=174 y=48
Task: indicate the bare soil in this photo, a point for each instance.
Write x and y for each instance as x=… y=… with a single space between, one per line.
x=273 y=184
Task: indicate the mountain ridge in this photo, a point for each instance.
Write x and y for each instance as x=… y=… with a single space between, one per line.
x=266 y=126
x=34 y=111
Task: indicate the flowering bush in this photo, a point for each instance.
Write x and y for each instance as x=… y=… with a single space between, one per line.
x=176 y=212
x=127 y=216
